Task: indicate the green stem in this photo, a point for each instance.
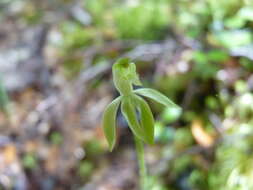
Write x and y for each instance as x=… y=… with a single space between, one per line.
x=141 y=162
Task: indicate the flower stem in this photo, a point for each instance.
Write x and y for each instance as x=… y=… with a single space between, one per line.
x=141 y=162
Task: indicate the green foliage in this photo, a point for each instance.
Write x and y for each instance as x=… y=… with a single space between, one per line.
x=208 y=63
x=156 y=184
x=30 y=161
x=214 y=22
x=247 y=64
x=197 y=179
x=231 y=169
x=192 y=17
x=183 y=138
x=171 y=114
x=4 y=100
x=240 y=38
x=98 y=9
x=93 y=148
x=85 y=169
x=72 y=66
x=211 y=102
x=32 y=15
x=143 y=20
x=181 y=164
x=56 y=138
x=74 y=36
x=124 y=76
x=137 y=20
x=233 y=161
x=163 y=134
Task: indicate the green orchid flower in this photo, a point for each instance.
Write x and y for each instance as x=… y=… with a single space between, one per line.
x=124 y=77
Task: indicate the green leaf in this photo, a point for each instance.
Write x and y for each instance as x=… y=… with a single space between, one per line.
x=146 y=119
x=109 y=118
x=128 y=109
x=155 y=95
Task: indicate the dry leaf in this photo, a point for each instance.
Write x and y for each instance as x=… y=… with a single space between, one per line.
x=200 y=135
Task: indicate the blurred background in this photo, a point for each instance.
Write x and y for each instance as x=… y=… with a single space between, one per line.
x=55 y=81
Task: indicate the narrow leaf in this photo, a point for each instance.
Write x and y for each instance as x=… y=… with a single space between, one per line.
x=156 y=96
x=129 y=112
x=109 y=120
x=146 y=118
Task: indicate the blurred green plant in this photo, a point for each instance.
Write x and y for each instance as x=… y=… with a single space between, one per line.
x=124 y=77
x=75 y=36
x=208 y=63
x=56 y=138
x=171 y=114
x=120 y=19
x=151 y=17
x=163 y=134
x=4 y=99
x=85 y=168
x=247 y=64
x=30 y=161
x=233 y=157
